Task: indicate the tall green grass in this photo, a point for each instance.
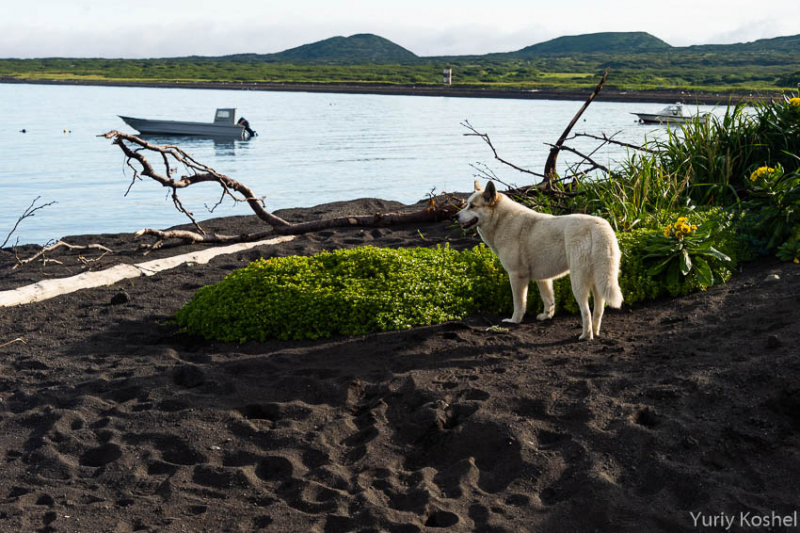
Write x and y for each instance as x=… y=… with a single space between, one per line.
x=638 y=193
x=701 y=163
x=717 y=156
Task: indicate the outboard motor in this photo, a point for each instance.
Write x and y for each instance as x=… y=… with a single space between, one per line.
x=243 y=122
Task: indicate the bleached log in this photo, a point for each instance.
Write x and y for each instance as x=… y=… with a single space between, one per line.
x=51 y=288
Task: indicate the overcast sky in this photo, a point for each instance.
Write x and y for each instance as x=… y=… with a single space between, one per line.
x=168 y=28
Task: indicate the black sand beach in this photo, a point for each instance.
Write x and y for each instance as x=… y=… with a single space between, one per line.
x=113 y=421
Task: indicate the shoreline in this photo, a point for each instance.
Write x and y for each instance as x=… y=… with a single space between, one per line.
x=607 y=95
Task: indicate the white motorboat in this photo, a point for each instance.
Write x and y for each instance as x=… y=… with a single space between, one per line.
x=674 y=114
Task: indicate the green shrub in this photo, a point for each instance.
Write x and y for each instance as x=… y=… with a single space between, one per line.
x=683 y=251
x=718 y=155
x=774 y=206
x=347 y=292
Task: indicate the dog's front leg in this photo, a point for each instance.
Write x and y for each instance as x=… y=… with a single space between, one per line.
x=519 y=289
x=548 y=299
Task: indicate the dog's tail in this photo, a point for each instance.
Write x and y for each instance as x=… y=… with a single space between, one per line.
x=607 y=266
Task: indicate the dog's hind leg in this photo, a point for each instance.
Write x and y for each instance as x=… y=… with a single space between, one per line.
x=581 y=290
x=597 y=310
x=519 y=288
x=548 y=299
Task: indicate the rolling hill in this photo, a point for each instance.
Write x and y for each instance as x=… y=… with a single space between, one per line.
x=608 y=42
x=356 y=49
x=790 y=44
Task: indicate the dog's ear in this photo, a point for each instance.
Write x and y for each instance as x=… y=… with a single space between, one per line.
x=490 y=194
x=478 y=187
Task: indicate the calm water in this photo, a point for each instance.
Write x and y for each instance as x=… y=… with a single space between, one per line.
x=311 y=149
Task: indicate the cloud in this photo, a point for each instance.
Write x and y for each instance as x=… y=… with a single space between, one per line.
x=99 y=34
x=468 y=39
x=143 y=41
x=752 y=31
x=208 y=38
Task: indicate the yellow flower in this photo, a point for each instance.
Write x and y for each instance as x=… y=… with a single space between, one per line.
x=694 y=228
x=666 y=233
x=761 y=172
x=796 y=260
x=794 y=102
x=682 y=219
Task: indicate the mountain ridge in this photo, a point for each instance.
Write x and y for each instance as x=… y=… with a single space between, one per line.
x=371 y=48
x=604 y=42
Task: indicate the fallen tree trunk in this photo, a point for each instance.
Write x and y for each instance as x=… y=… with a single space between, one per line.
x=50 y=288
x=429 y=214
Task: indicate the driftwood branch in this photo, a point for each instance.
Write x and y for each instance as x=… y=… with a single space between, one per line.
x=610 y=140
x=488 y=141
x=438 y=208
x=198 y=173
x=441 y=208
x=549 y=177
x=552 y=185
x=594 y=164
x=550 y=164
x=62 y=244
x=29 y=212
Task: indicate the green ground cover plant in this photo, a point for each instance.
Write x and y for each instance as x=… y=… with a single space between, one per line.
x=346 y=292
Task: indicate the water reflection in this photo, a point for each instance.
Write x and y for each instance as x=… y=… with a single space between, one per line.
x=223 y=146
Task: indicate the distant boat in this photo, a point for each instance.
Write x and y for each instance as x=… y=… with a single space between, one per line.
x=223 y=126
x=674 y=114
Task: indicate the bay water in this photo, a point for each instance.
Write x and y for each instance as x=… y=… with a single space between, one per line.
x=311 y=148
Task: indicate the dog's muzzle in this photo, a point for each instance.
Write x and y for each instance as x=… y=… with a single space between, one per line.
x=469 y=223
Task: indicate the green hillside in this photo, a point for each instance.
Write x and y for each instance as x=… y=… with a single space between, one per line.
x=639 y=62
x=359 y=48
x=789 y=44
x=608 y=42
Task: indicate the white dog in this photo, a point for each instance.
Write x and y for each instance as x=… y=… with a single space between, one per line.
x=544 y=247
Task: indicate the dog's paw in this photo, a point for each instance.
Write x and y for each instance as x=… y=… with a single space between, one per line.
x=511 y=321
x=586 y=336
x=544 y=316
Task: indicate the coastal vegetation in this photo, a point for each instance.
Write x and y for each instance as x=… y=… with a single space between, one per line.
x=687 y=211
x=640 y=62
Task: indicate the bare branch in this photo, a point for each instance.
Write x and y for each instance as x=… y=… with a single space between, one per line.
x=550 y=165
x=487 y=173
x=438 y=208
x=610 y=140
x=59 y=244
x=29 y=212
x=595 y=164
x=199 y=173
x=487 y=140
